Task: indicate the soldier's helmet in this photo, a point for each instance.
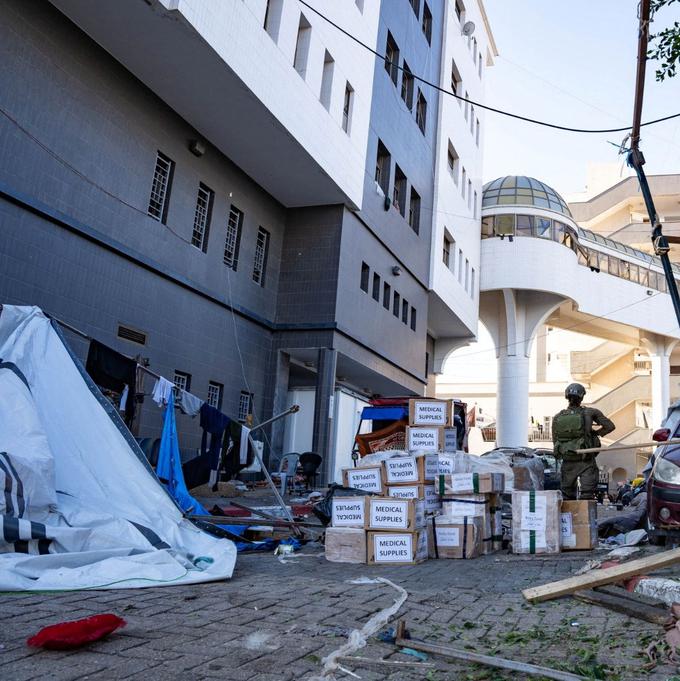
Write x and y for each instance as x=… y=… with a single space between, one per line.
x=575 y=390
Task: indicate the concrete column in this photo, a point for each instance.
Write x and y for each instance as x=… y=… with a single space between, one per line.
x=322 y=439
x=512 y=400
x=659 y=349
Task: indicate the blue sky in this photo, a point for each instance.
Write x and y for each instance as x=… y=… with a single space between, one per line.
x=572 y=63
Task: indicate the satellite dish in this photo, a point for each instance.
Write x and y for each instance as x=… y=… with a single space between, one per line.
x=468 y=28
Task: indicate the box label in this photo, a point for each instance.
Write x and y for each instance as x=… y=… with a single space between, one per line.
x=431 y=466
x=462 y=482
x=448 y=536
x=389 y=514
x=432 y=500
x=402 y=469
x=393 y=548
x=445 y=464
x=423 y=440
x=404 y=492
x=451 y=439
x=430 y=413
x=460 y=508
x=367 y=479
x=567 y=524
x=348 y=513
x=525 y=540
x=536 y=519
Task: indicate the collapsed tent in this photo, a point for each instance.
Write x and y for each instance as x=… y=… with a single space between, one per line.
x=79 y=504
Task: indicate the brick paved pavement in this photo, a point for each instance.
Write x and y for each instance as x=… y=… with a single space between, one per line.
x=276 y=621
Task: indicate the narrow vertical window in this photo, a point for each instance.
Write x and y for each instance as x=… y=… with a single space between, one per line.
x=327 y=81
x=463 y=183
x=261 y=253
x=182 y=380
x=453 y=161
x=399 y=192
x=365 y=270
x=392 y=58
x=396 y=304
x=479 y=64
x=467 y=105
x=204 y=201
x=415 y=4
x=469 y=193
x=407 y=86
x=460 y=266
x=304 y=37
x=232 y=240
x=347 y=108
x=382 y=168
x=414 y=211
x=413 y=318
x=477 y=133
x=376 y=287
x=446 y=256
x=272 y=18
x=459 y=9
x=456 y=80
x=472 y=283
x=215 y=394
x=160 y=188
x=467 y=273
x=472 y=118
x=245 y=405
x=421 y=112
x=387 y=295
x=427 y=24
x=360 y=5
x=474 y=205
x=404 y=311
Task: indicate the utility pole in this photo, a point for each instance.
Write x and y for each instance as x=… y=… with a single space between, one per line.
x=636 y=160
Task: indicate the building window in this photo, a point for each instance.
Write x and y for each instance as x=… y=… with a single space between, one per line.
x=160 y=188
x=396 y=304
x=474 y=49
x=404 y=311
x=182 y=381
x=376 y=287
x=453 y=161
x=387 y=295
x=215 y=393
x=272 y=18
x=467 y=273
x=474 y=205
x=467 y=105
x=413 y=319
x=472 y=119
x=204 y=200
x=459 y=8
x=347 y=108
x=416 y=7
x=472 y=283
x=479 y=64
x=407 y=86
x=360 y=5
x=427 y=23
x=460 y=266
x=245 y=406
x=421 y=112
x=304 y=37
x=447 y=251
x=261 y=253
x=382 y=168
x=414 y=211
x=477 y=133
x=392 y=58
x=365 y=271
x=456 y=80
x=399 y=192
x=232 y=241
x=327 y=81
x=463 y=183
x=469 y=193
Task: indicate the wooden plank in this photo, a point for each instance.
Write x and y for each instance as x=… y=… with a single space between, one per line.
x=624 y=606
x=228 y=520
x=589 y=580
x=642 y=445
x=632 y=596
x=369 y=662
x=489 y=660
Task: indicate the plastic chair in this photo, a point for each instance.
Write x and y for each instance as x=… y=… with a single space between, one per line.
x=287 y=469
x=310 y=462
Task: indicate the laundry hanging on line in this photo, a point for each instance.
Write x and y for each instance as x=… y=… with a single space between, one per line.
x=162 y=391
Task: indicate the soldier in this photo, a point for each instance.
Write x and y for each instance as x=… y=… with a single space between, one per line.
x=572 y=430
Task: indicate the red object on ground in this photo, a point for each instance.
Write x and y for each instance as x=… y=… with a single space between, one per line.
x=235 y=512
x=66 y=635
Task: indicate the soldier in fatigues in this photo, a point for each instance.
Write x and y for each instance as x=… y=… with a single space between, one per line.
x=572 y=430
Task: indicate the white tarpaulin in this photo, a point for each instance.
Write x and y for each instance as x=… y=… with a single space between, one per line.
x=80 y=507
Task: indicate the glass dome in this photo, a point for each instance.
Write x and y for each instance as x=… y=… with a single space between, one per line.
x=518 y=190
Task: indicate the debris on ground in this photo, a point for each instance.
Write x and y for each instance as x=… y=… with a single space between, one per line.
x=77 y=633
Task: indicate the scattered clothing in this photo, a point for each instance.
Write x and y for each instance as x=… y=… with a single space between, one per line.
x=215 y=423
x=162 y=391
x=236 y=450
x=189 y=404
x=113 y=371
x=243 y=451
x=123 y=398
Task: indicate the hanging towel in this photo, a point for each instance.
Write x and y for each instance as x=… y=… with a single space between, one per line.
x=243 y=450
x=215 y=423
x=189 y=404
x=113 y=371
x=123 y=398
x=162 y=391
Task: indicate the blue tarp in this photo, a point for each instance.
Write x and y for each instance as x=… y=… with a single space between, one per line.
x=384 y=413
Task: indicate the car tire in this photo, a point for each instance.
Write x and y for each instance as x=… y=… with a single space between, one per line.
x=653 y=539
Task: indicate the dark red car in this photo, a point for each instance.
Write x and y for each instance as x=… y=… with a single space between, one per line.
x=663 y=483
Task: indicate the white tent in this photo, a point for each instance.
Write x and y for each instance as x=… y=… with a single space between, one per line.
x=79 y=505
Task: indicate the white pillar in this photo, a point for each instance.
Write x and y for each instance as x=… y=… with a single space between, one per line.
x=661 y=372
x=512 y=400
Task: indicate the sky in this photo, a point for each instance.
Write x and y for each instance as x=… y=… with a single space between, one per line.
x=572 y=63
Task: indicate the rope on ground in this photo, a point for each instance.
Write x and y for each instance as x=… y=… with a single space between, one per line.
x=358 y=637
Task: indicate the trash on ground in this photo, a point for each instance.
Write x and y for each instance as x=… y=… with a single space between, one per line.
x=76 y=633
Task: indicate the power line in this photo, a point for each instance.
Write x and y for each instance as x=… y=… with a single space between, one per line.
x=470 y=101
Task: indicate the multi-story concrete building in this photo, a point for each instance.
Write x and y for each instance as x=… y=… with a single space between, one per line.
x=246 y=197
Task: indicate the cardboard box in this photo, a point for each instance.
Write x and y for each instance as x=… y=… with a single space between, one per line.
x=466 y=504
x=388 y=513
x=536 y=521
x=579 y=525
x=425 y=438
x=368 y=479
x=446 y=465
x=470 y=483
x=493 y=525
x=345 y=545
x=396 y=548
x=433 y=502
x=406 y=491
x=427 y=412
x=348 y=511
x=451 y=439
x=451 y=537
x=528 y=474
x=410 y=469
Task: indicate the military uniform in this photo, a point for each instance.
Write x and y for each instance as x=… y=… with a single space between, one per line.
x=580 y=465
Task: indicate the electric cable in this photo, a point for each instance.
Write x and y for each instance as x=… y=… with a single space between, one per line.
x=535 y=121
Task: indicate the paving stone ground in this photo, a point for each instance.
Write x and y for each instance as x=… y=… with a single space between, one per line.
x=275 y=621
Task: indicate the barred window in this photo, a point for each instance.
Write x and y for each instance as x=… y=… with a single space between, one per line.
x=261 y=253
x=160 y=188
x=245 y=405
x=215 y=391
x=182 y=381
x=204 y=199
x=232 y=240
